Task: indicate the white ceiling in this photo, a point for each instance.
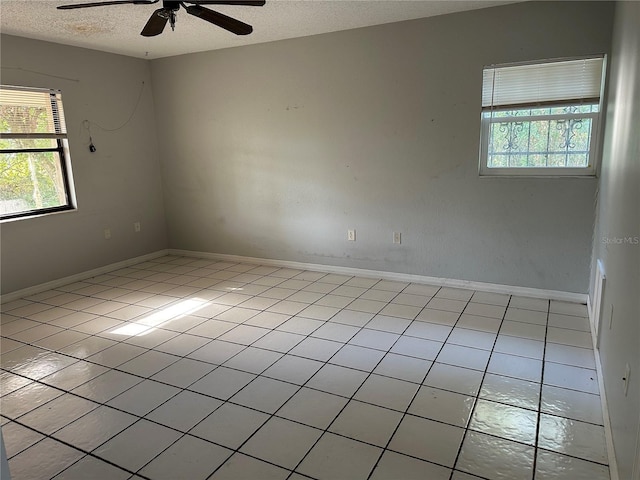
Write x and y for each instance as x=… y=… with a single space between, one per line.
x=117 y=28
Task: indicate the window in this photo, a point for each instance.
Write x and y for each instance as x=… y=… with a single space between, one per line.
x=35 y=172
x=541 y=119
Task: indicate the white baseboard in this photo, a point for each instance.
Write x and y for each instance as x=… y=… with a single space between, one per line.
x=400 y=277
x=25 y=292
x=608 y=434
x=613 y=464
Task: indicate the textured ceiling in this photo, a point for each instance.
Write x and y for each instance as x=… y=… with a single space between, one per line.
x=117 y=28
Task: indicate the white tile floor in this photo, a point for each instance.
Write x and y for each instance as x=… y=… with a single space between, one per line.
x=183 y=368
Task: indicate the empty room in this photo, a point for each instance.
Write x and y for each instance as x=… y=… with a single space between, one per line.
x=320 y=239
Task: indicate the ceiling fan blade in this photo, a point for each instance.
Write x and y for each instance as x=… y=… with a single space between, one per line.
x=247 y=3
x=155 y=25
x=102 y=4
x=228 y=23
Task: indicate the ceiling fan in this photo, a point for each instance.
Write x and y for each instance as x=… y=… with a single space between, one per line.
x=158 y=20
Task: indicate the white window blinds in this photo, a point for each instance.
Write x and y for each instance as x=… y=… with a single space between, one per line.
x=32 y=113
x=554 y=82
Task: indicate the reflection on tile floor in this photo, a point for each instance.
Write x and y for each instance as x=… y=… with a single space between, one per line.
x=200 y=369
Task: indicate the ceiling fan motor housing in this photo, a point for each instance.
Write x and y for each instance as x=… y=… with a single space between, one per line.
x=171 y=5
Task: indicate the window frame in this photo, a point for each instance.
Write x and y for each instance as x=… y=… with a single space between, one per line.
x=61 y=149
x=486 y=121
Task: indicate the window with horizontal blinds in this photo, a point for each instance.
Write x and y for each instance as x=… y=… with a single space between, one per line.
x=31 y=113
x=552 y=82
x=35 y=168
x=541 y=118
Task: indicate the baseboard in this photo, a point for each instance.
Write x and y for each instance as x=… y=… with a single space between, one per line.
x=613 y=464
x=400 y=277
x=394 y=276
x=608 y=435
x=25 y=292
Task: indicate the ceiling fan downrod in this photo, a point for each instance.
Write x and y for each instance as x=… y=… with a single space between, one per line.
x=170 y=15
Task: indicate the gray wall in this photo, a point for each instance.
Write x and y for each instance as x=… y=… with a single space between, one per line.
x=116 y=186
x=617 y=235
x=275 y=150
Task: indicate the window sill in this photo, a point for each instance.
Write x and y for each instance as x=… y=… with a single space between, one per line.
x=29 y=216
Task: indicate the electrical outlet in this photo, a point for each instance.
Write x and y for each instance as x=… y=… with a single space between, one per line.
x=351 y=235
x=625 y=379
x=397 y=237
x=136 y=227
x=107 y=233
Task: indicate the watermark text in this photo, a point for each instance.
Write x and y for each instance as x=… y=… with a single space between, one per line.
x=621 y=240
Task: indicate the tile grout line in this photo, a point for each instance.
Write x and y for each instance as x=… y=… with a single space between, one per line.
x=539 y=413
x=406 y=410
x=236 y=450
x=85 y=452
x=477 y=396
x=104 y=404
x=351 y=398
x=274 y=414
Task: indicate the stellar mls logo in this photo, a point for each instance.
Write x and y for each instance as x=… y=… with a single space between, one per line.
x=621 y=240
